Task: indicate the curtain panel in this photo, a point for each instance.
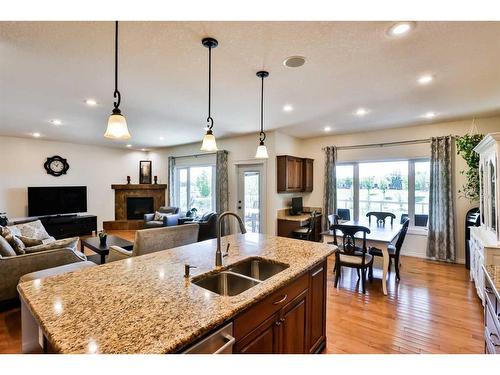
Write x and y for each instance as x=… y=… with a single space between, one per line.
x=222 y=187
x=330 y=186
x=171 y=185
x=441 y=236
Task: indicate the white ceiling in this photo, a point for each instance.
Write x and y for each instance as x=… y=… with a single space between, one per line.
x=47 y=69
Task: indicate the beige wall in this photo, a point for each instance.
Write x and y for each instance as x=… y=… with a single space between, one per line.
x=91 y=166
x=415 y=245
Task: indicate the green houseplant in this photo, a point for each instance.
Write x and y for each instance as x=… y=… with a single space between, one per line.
x=465 y=148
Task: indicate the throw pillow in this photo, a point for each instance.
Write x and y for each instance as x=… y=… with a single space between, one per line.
x=28 y=242
x=13 y=241
x=159 y=216
x=33 y=229
x=59 y=244
x=5 y=249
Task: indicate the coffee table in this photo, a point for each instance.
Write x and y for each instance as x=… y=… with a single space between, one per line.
x=94 y=244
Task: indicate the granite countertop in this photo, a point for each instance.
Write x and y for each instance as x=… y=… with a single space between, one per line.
x=493 y=273
x=145 y=305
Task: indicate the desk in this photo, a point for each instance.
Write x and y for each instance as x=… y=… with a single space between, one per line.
x=288 y=223
x=380 y=236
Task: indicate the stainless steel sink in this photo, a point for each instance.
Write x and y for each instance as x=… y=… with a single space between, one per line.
x=258 y=268
x=226 y=283
x=240 y=276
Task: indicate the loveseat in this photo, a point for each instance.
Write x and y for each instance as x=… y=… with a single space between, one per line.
x=27 y=248
x=156 y=239
x=169 y=216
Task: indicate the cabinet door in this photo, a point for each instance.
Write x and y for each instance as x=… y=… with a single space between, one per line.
x=262 y=340
x=308 y=175
x=293 y=326
x=299 y=166
x=317 y=302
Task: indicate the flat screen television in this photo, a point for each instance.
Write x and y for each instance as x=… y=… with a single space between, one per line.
x=56 y=200
x=297 y=207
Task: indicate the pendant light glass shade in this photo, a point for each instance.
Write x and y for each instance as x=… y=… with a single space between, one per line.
x=209 y=143
x=261 y=149
x=117 y=124
x=261 y=152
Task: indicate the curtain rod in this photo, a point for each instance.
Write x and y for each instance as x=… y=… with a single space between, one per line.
x=386 y=144
x=196 y=155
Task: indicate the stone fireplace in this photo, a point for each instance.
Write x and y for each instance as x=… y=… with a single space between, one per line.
x=131 y=200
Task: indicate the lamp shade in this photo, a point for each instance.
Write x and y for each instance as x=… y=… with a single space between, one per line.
x=209 y=143
x=261 y=152
x=117 y=127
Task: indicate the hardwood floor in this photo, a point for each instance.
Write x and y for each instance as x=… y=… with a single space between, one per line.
x=434 y=309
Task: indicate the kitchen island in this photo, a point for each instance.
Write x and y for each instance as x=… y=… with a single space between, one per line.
x=146 y=305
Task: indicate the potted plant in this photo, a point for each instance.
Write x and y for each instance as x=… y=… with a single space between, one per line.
x=103 y=236
x=465 y=147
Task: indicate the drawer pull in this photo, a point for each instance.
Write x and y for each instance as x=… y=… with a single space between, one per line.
x=281 y=300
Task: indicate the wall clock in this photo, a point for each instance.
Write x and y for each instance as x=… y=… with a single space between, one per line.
x=56 y=166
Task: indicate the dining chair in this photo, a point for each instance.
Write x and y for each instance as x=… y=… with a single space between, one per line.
x=344 y=214
x=350 y=255
x=393 y=250
x=380 y=216
x=306 y=233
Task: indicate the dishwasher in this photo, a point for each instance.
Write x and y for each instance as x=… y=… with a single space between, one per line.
x=219 y=342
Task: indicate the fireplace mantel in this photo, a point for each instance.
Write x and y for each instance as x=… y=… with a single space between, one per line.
x=139 y=186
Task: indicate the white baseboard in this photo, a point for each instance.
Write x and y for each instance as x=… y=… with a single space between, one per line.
x=416 y=254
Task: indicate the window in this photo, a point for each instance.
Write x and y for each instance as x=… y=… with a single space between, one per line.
x=194 y=188
x=345 y=187
x=400 y=187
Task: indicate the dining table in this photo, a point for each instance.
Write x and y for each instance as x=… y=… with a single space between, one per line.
x=380 y=236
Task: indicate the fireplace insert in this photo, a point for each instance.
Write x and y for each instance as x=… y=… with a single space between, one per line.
x=138 y=206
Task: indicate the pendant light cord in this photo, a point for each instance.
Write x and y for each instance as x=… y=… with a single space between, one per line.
x=116 y=94
x=210 y=120
x=262 y=134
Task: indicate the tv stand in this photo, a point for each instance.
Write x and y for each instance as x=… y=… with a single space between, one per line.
x=64 y=226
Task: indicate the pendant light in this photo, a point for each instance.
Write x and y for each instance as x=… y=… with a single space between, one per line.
x=117 y=125
x=209 y=143
x=262 y=150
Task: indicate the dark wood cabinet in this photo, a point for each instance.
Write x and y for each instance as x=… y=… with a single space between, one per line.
x=293 y=326
x=307 y=175
x=263 y=340
x=317 y=308
x=291 y=320
x=294 y=174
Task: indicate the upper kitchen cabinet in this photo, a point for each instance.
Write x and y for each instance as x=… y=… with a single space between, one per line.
x=294 y=174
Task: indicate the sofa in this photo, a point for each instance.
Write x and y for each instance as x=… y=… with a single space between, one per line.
x=27 y=248
x=169 y=218
x=208 y=226
x=156 y=239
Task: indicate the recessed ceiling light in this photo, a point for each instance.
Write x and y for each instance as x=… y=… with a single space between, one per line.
x=162 y=138
x=400 y=28
x=294 y=61
x=90 y=102
x=128 y=146
x=425 y=79
x=287 y=108
x=36 y=135
x=56 y=122
x=362 y=112
x=327 y=128
x=430 y=115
